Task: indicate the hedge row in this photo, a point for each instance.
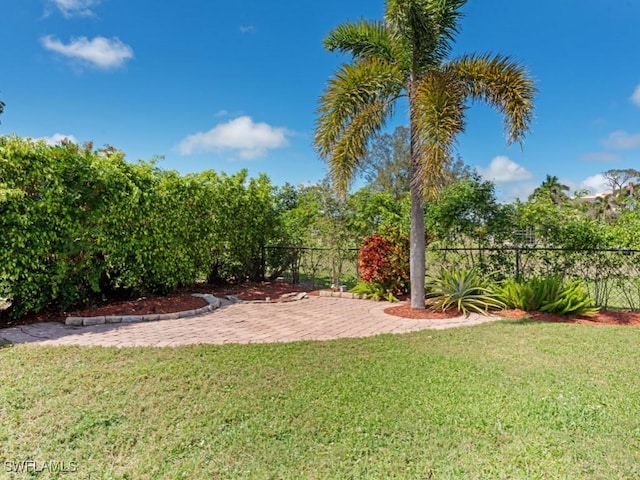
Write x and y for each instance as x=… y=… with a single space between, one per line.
x=79 y=224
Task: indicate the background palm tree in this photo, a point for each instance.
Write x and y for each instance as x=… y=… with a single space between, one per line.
x=407 y=55
x=552 y=189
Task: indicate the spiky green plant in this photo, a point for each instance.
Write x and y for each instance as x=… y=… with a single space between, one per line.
x=573 y=299
x=464 y=290
x=530 y=295
x=549 y=295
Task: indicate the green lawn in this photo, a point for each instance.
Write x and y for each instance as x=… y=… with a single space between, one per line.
x=507 y=400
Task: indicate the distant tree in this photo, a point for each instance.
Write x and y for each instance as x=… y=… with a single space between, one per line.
x=1 y=106
x=467 y=211
x=617 y=179
x=552 y=189
x=407 y=55
x=387 y=165
x=388 y=161
x=600 y=208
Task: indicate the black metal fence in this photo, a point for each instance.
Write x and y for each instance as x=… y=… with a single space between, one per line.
x=313 y=267
x=612 y=276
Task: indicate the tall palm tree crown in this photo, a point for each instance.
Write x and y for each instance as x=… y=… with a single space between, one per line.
x=407 y=55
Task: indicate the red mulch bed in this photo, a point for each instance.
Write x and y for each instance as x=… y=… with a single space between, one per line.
x=602 y=318
x=406 y=311
x=178 y=302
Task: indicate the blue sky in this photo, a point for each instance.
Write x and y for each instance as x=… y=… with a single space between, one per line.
x=231 y=85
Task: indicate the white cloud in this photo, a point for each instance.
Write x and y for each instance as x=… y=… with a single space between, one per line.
x=621 y=140
x=635 y=98
x=247 y=29
x=605 y=157
x=57 y=138
x=504 y=170
x=76 y=8
x=101 y=52
x=250 y=140
x=595 y=184
x=512 y=191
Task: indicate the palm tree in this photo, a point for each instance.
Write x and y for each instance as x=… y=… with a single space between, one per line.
x=407 y=55
x=552 y=189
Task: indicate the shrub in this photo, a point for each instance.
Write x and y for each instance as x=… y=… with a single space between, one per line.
x=79 y=224
x=464 y=290
x=385 y=260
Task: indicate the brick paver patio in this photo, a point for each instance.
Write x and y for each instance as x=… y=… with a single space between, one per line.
x=315 y=318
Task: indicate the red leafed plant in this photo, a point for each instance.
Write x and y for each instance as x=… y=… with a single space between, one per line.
x=385 y=260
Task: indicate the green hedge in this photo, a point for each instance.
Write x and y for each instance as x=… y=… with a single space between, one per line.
x=79 y=224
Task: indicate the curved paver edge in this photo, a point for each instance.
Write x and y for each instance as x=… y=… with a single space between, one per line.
x=214 y=303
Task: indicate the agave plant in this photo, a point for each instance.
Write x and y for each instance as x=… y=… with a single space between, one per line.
x=549 y=295
x=574 y=299
x=530 y=295
x=464 y=290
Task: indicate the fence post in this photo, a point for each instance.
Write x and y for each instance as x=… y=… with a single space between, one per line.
x=517 y=272
x=263 y=262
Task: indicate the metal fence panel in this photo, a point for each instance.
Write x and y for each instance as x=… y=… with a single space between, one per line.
x=316 y=267
x=611 y=276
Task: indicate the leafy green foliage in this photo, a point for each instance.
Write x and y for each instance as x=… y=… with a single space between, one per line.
x=375 y=290
x=80 y=224
x=548 y=294
x=467 y=212
x=464 y=290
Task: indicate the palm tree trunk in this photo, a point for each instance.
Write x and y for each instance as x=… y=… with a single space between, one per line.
x=417 y=236
x=417 y=249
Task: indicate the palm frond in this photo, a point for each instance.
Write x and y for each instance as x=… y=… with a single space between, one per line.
x=352 y=145
x=445 y=15
x=355 y=105
x=438 y=116
x=362 y=39
x=426 y=28
x=502 y=83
